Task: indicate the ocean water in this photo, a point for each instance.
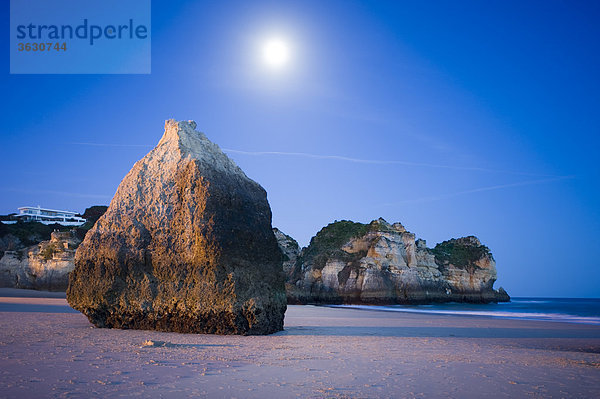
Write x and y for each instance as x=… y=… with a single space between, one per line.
x=569 y=310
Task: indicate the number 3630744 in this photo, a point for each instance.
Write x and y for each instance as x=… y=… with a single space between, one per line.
x=49 y=46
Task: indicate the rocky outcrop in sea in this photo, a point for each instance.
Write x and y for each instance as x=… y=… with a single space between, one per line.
x=186 y=245
x=382 y=263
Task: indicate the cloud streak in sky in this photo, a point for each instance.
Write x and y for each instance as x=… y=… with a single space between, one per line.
x=547 y=179
x=341 y=158
x=381 y=162
x=478 y=190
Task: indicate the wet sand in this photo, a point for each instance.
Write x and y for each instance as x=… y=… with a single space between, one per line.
x=49 y=350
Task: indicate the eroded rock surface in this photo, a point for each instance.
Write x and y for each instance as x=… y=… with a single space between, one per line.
x=290 y=250
x=186 y=245
x=382 y=263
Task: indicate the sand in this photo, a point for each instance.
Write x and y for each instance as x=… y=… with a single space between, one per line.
x=49 y=350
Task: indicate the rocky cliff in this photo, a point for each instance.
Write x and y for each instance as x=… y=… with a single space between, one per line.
x=382 y=263
x=38 y=256
x=186 y=245
x=290 y=250
x=44 y=266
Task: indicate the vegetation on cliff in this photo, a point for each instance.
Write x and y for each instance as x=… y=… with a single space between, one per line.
x=14 y=237
x=463 y=253
x=329 y=241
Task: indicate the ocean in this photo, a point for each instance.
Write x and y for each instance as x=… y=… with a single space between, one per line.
x=568 y=310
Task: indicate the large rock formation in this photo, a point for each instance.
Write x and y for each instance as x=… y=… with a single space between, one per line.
x=379 y=263
x=186 y=245
x=44 y=266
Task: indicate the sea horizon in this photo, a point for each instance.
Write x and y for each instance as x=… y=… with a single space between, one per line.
x=565 y=310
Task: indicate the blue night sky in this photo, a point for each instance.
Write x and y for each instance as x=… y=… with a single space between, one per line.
x=452 y=117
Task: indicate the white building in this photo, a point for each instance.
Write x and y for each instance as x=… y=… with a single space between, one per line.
x=49 y=216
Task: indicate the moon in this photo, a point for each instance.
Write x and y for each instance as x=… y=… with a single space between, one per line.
x=276 y=53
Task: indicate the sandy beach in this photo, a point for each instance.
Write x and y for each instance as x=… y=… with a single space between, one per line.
x=49 y=350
